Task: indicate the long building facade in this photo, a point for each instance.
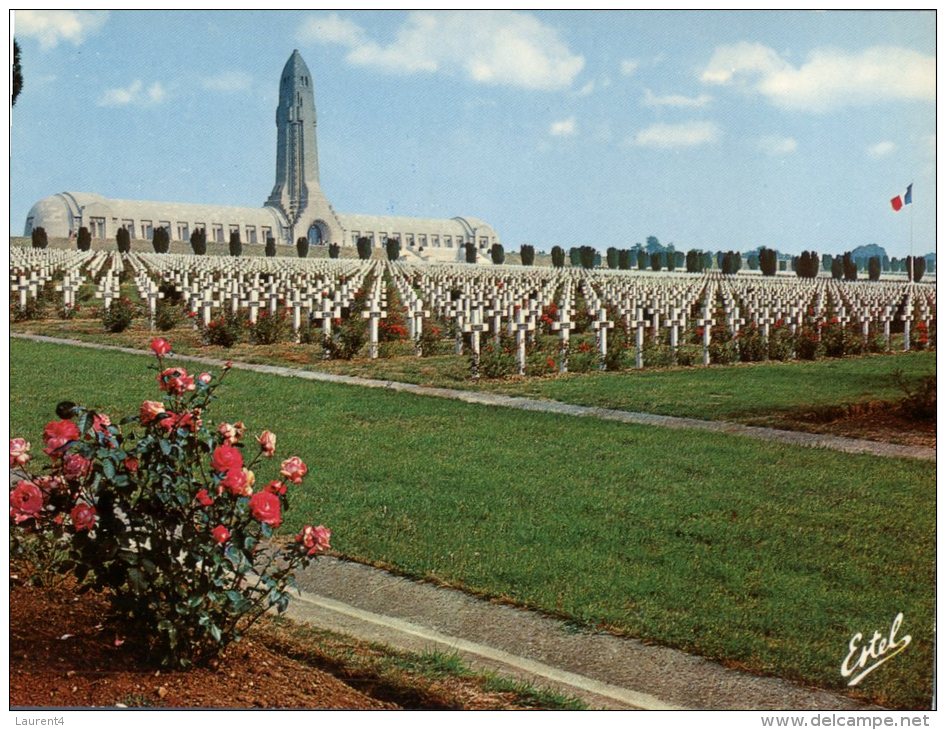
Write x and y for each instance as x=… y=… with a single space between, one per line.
x=296 y=207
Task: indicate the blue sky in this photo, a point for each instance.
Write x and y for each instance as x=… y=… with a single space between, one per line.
x=711 y=130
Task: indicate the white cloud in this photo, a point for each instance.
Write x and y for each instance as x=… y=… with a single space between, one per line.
x=564 y=128
x=675 y=100
x=227 y=81
x=828 y=78
x=497 y=47
x=588 y=89
x=881 y=149
x=777 y=146
x=135 y=93
x=686 y=134
x=50 y=27
x=629 y=66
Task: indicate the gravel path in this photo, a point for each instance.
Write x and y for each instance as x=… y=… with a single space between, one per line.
x=794 y=438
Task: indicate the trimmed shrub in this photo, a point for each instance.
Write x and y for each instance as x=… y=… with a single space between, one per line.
x=849 y=266
x=364 y=248
x=166 y=315
x=655 y=261
x=302 y=247
x=269 y=328
x=470 y=252
x=558 y=257
x=84 y=239
x=624 y=259
x=270 y=246
x=347 y=339
x=527 y=254
x=161 y=241
x=199 y=242
x=497 y=254
x=768 y=261
x=123 y=240
x=39 y=238
x=224 y=331
x=586 y=257
x=236 y=245
x=334 y=250
x=611 y=256
x=392 y=247
x=873 y=268
x=837 y=268
x=642 y=260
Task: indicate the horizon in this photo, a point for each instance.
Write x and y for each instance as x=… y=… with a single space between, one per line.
x=670 y=120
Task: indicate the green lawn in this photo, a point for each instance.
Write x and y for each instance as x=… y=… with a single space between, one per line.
x=745 y=392
x=761 y=555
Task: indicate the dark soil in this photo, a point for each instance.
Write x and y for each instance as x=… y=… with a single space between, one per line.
x=64 y=652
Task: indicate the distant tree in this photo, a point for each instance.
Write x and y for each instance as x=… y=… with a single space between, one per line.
x=17 y=73
x=38 y=237
x=915 y=265
x=392 y=247
x=826 y=260
x=642 y=259
x=199 y=241
x=694 y=261
x=497 y=253
x=768 y=261
x=707 y=261
x=161 y=240
x=849 y=266
x=655 y=261
x=837 y=268
x=727 y=264
x=364 y=248
x=574 y=256
x=679 y=259
x=808 y=264
x=558 y=257
x=84 y=239
x=527 y=254
x=586 y=257
x=885 y=263
x=624 y=259
x=873 y=268
x=236 y=245
x=270 y=246
x=653 y=245
x=333 y=250
x=302 y=247
x=753 y=261
x=470 y=253
x=612 y=257
x=719 y=259
x=670 y=260
x=123 y=240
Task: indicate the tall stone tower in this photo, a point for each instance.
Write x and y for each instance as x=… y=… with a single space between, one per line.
x=297 y=192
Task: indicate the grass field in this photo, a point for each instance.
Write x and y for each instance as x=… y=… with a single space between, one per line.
x=764 y=556
x=743 y=392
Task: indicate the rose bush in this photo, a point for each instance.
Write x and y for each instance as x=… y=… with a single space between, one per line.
x=161 y=511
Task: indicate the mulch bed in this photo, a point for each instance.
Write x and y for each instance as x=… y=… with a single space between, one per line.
x=63 y=653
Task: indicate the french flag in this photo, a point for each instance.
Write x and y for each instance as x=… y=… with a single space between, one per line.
x=902 y=200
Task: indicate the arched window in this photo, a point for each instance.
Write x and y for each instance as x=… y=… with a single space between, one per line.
x=315 y=235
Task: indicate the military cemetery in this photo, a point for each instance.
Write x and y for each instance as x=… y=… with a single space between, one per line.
x=700 y=472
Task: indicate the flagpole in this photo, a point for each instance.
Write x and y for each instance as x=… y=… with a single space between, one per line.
x=912 y=262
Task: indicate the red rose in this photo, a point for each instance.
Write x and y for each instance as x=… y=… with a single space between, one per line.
x=314 y=539
x=160 y=346
x=294 y=469
x=276 y=487
x=131 y=464
x=175 y=381
x=26 y=501
x=239 y=482
x=204 y=378
x=226 y=457
x=265 y=507
x=149 y=411
x=83 y=516
x=203 y=498
x=57 y=434
x=267 y=443
x=19 y=452
x=75 y=466
x=221 y=534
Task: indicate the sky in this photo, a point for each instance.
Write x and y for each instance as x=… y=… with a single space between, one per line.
x=707 y=129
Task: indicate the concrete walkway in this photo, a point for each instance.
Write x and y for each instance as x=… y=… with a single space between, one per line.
x=606 y=671
x=793 y=438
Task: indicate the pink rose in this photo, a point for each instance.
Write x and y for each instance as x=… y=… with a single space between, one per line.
x=57 y=434
x=314 y=539
x=204 y=378
x=265 y=507
x=19 y=452
x=226 y=457
x=239 y=482
x=267 y=443
x=203 y=498
x=231 y=434
x=149 y=411
x=101 y=422
x=175 y=381
x=221 y=534
x=49 y=484
x=83 y=516
x=276 y=487
x=160 y=346
x=75 y=467
x=294 y=469
x=26 y=501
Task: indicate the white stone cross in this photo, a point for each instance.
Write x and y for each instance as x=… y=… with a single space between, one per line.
x=373 y=314
x=601 y=325
x=519 y=326
x=474 y=328
x=706 y=323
